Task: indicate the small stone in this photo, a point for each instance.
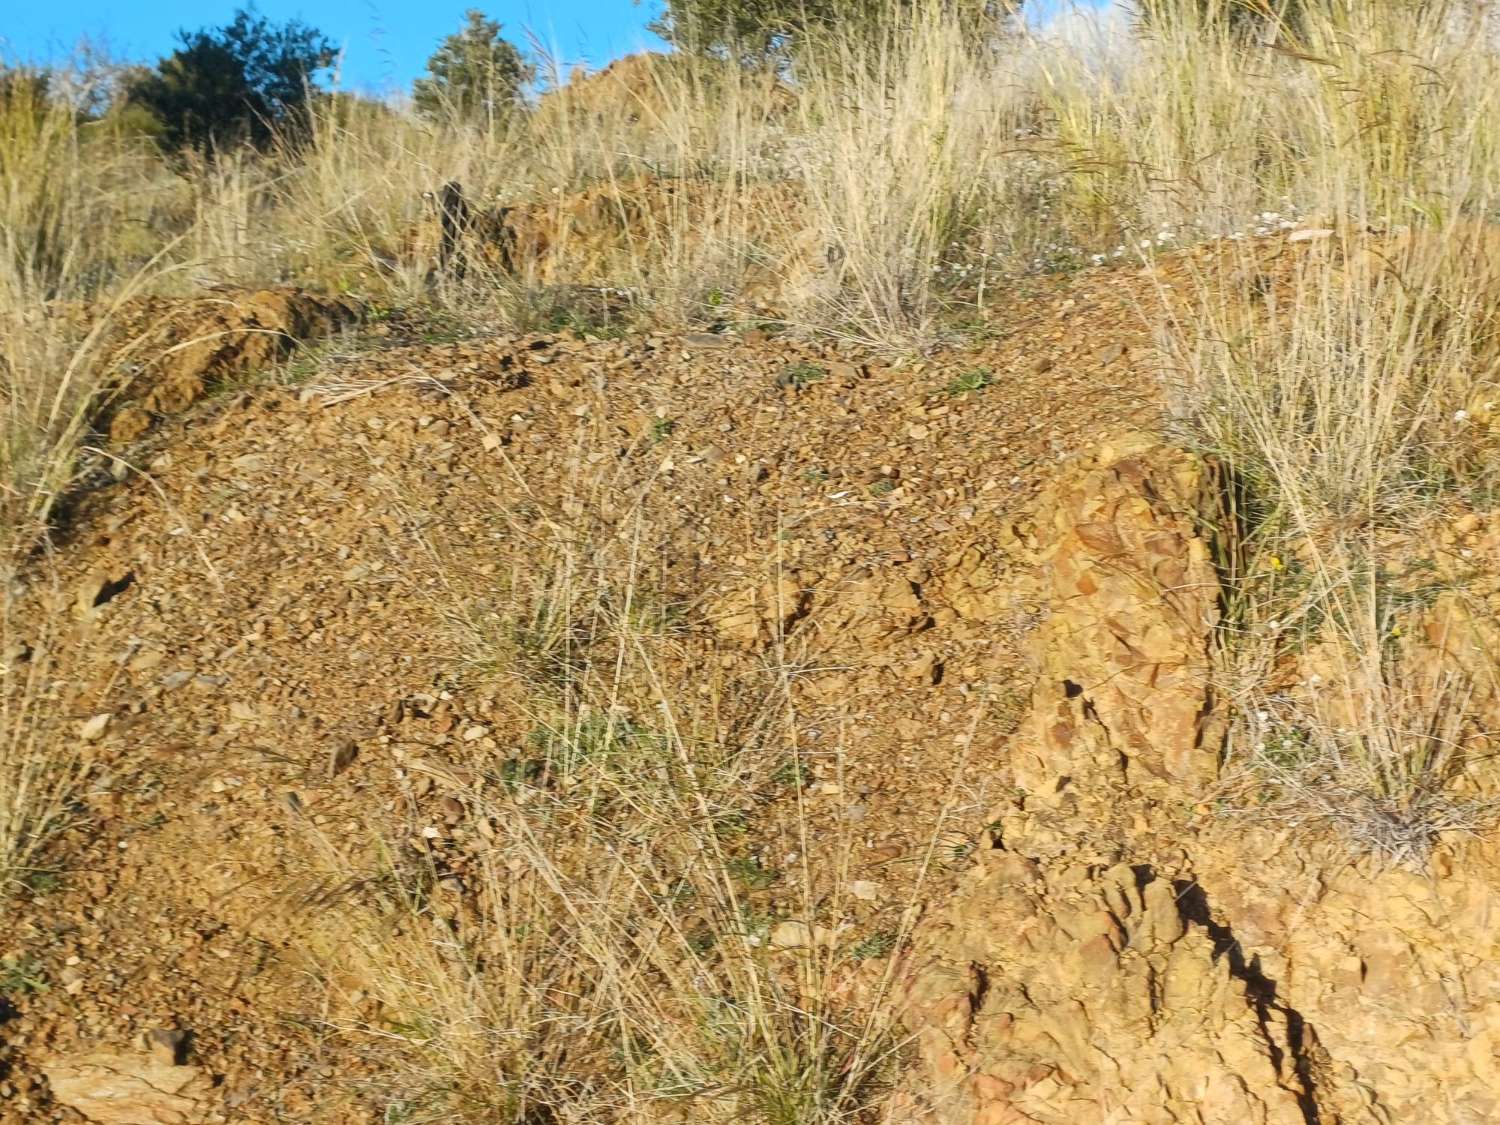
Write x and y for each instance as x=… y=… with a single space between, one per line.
x=94 y=727
x=342 y=757
x=864 y=890
x=167 y=1045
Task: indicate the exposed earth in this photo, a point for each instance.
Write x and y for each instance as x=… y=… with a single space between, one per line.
x=289 y=602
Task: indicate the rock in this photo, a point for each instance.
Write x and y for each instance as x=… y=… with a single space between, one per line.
x=167 y=1045
x=342 y=757
x=793 y=934
x=102 y=587
x=864 y=890
x=94 y=728
x=1116 y=1006
x=747 y=618
x=146 y=659
x=1124 y=655
x=129 y=1089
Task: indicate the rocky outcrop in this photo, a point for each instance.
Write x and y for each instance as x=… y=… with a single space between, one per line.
x=1119 y=953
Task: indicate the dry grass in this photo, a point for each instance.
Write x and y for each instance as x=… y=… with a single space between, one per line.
x=1344 y=387
x=601 y=959
x=41 y=757
x=608 y=955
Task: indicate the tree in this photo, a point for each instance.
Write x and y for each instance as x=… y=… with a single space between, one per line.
x=249 y=81
x=474 y=75
x=759 y=30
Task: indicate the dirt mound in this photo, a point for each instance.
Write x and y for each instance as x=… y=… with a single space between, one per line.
x=291 y=623
x=173 y=352
x=637 y=87
x=600 y=236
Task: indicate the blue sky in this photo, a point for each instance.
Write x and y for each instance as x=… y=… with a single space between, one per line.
x=386 y=42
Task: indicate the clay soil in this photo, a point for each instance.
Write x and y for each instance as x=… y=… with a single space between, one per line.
x=265 y=607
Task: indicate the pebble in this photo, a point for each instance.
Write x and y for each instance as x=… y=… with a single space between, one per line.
x=94 y=728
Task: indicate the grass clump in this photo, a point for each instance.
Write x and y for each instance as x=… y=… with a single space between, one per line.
x=970 y=382
x=800 y=376
x=21 y=976
x=1339 y=395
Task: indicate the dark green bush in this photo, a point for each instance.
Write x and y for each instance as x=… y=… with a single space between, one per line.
x=250 y=81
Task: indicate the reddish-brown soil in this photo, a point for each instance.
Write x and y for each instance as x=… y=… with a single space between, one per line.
x=266 y=611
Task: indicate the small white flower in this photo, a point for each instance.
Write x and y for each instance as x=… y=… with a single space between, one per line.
x=1460 y=415
x=1145 y=244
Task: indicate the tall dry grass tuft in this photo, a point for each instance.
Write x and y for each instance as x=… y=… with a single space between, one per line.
x=607 y=955
x=61 y=286
x=1347 y=389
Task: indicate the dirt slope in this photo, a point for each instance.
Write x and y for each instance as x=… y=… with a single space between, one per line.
x=289 y=617
x=265 y=594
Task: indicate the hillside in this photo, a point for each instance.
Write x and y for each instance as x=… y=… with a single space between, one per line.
x=730 y=633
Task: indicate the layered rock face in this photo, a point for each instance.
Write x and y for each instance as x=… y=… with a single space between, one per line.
x=1119 y=955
